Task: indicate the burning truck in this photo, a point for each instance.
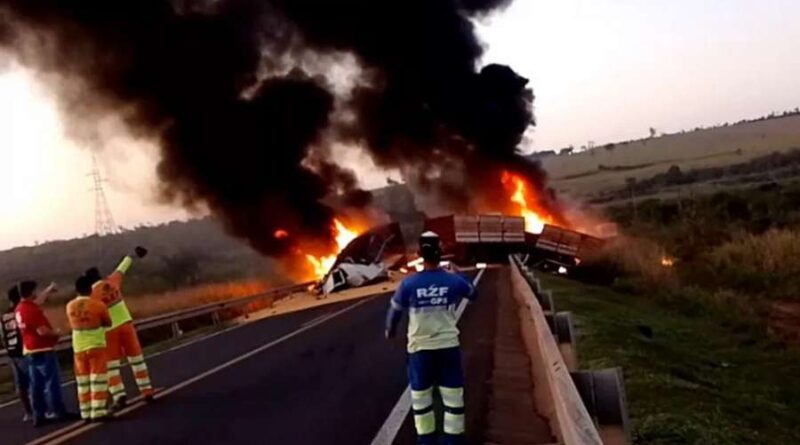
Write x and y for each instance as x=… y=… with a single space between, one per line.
x=491 y=238
x=466 y=239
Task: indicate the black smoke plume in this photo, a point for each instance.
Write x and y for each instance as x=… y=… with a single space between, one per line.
x=245 y=130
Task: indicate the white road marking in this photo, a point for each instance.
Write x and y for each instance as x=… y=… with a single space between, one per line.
x=313 y=320
x=238 y=325
x=397 y=416
x=76 y=432
x=68 y=428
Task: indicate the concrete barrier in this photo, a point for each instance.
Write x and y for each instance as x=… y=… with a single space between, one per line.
x=554 y=390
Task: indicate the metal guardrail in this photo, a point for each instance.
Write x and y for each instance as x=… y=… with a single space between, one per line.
x=173 y=318
x=555 y=391
x=602 y=392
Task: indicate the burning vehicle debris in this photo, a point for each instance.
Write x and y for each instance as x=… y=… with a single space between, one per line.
x=467 y=240
x=365 y=260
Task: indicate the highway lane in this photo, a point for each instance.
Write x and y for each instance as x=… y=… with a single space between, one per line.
x=333 y=383
x=178 y=365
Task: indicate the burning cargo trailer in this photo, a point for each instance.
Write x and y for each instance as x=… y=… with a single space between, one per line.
x=560 y=249
x=491 y=238
x=479 y=238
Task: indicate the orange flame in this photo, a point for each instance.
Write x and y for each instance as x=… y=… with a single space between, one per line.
x=280 y=234
x=522 y=197
x=343 y=235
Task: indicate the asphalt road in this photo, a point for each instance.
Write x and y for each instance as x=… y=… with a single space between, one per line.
x=325 y=375
x=334 y=383
x=278 y=380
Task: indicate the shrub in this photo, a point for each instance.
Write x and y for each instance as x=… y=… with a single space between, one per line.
x=632 y=263
x=764 y=265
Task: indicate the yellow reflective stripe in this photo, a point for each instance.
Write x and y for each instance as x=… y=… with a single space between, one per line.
x=98 y=404
x=119 y=314
x=124 y=265
x=422 y=399
x=114 y=363
x=143 y=383
x=82 y=379
x=83 y=389
x=425 y=423
x=452 y=397
x=453 y=423
x=86 y=339
x=97 y=377
x=139 y=368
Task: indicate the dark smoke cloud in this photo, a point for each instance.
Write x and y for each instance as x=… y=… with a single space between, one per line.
x=243 y=129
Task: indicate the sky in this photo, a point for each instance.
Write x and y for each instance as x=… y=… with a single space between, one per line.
x=602 y=71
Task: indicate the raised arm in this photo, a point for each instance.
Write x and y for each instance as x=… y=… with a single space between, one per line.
x=122 y=268
x=124 y=265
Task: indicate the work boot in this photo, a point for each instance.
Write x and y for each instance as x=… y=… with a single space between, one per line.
x=119 y=404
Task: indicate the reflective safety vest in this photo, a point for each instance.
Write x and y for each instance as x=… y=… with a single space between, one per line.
x=87 y=318
x=108 y=291
x=431 y=297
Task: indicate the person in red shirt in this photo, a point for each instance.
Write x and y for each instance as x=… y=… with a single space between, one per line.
x=39 y=340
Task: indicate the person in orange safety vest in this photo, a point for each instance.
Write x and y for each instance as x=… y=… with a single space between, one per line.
x=121 y=338
x=89 y=319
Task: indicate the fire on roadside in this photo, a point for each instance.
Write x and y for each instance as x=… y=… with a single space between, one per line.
x=524 y=202
x=320 y=263
x=667 y=261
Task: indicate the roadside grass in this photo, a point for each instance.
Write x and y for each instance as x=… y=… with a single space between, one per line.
x=698 y=380
x=149 y=305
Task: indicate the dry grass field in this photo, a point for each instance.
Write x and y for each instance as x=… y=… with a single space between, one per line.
x=583 y=175
x=148 y=305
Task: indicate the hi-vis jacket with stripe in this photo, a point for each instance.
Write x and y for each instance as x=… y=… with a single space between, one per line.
x=88 y=319
x=431 y=298
x=109 y=291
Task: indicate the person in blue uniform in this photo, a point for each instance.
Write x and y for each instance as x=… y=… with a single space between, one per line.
x=434 y=357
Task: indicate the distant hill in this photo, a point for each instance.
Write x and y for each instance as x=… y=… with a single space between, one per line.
x=198 y=251
x=596 y=171
x=181 y=253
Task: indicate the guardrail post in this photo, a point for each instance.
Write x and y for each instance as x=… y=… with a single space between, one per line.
x=545 y=298
x=176 y=330
x=603 y=392
x=215 y=318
